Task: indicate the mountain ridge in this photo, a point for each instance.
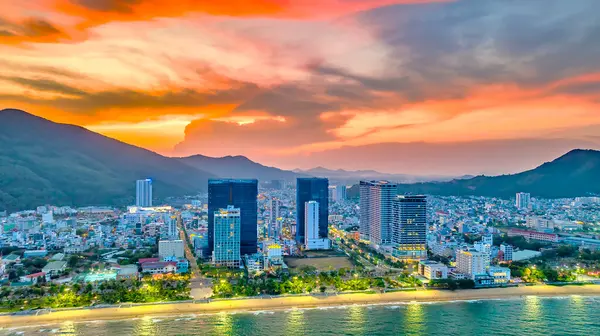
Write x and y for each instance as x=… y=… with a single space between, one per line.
x=237 y=166
x=43 y=162
x=570 y=175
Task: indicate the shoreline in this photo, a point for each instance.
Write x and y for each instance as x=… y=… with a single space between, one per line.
x=295 y=302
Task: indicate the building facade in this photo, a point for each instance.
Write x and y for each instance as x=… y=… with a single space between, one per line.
x=242 y=195
x=273 y=226
x=227 y=237
x=523 y=201
x=143 y=193
x=409 y=227
x=376 y=213
x=433 y=270
x=507 y=252
x=312 y=240
x=312 y=189
x=170 y=248
x=529 y=235
x=470 y=263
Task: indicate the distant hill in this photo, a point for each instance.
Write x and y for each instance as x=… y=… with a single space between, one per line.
x=348 y=175
x=42 y=162
x=238 y=167
x=576 y=173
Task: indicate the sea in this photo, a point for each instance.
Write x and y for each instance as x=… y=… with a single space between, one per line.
x=530 y=316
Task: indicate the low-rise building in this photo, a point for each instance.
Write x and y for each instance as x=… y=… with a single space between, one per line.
x=433 y=270
x=34 y=277
x=534 y=235
x=35 y=254
x=55 y=267
x=254 y=262
x=501 y=275
x=159 y=267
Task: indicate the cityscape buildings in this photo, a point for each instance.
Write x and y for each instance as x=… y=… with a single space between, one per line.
x=242 y=195
x=143 y=195
x=312 y=189
x=227 y=237
x=170 y=248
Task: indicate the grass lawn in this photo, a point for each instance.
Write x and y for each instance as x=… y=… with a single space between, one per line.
x=322 y=263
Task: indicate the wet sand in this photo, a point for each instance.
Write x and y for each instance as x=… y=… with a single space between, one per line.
x=244 y=305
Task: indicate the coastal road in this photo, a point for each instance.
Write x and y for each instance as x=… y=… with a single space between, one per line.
x=201 y=288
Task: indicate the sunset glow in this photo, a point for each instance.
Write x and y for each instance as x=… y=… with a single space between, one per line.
x=289 y=83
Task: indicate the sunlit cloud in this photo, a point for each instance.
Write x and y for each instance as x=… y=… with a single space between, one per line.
x=275 y=79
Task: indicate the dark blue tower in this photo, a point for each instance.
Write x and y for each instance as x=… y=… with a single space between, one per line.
x=312 y=189
x=241 y=194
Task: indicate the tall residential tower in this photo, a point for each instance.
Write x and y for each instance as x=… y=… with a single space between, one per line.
x=143 y=193
x=226 y=235
x=376 y=199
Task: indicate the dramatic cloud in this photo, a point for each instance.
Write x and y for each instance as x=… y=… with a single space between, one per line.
x=284 y=80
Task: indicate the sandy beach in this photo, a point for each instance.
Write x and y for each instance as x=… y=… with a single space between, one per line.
x=295 y=302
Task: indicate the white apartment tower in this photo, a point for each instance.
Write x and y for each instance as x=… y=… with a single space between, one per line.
x=523 y=201
x=311 y=228
x=143 y=193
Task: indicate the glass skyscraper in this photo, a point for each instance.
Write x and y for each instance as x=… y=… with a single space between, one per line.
x=241 y=194
x=312 y=189
x=409 y=228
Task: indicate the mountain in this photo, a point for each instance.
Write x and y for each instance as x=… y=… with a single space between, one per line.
x=42 y=162
x=346 y=175
x=238 y=167
x=576 y=173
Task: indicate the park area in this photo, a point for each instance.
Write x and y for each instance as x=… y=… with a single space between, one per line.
x=321 y=260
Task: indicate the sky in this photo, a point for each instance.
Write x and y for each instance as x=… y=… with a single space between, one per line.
x=401 y=86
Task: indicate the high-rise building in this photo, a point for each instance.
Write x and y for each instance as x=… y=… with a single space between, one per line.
x=523 y=201
x=331 y=193
x=241 y=194
x=312 y=189
x=171 y=223
x=312 y=241
x=340 y=193
x=170 y=248
x=409 y=227
x=470 y=263
x=273 y=215
x=227 y=241
x=507 y=252
x=143 y=193
x=376 y=198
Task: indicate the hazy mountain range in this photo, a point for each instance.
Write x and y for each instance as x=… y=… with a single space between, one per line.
x=42 y=162
x=355 y=175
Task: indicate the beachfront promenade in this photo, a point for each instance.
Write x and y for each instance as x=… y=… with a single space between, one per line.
x=294 y=302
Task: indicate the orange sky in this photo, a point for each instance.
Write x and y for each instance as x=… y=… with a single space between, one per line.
x=282 y=81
